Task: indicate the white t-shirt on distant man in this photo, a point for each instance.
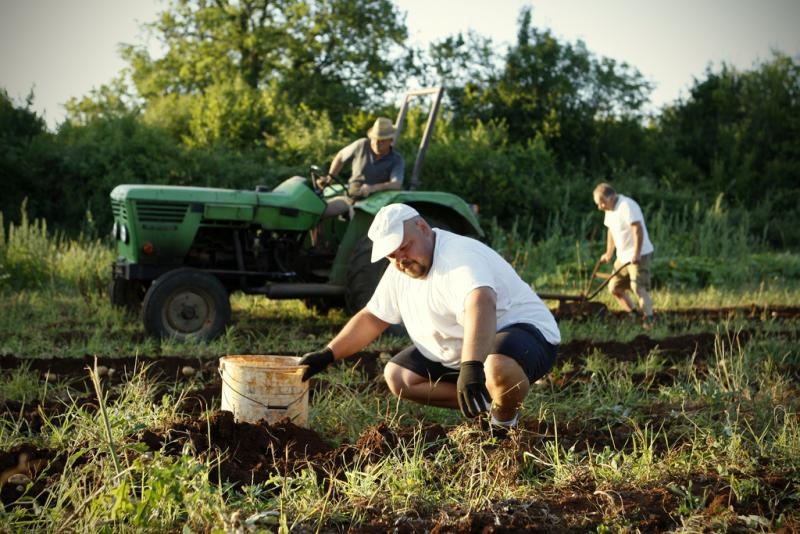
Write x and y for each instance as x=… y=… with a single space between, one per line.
x=620 y=223
x=432 y=308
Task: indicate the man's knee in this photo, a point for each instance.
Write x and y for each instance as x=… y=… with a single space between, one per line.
x=393 y=374
x=616 y=290
x=504 y=374
x=336 y=206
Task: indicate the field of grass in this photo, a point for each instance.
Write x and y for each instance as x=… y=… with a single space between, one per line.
x=691 y=426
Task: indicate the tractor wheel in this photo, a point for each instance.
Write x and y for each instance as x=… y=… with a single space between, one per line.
x=362 y=276
x=362 y=279
x=126 y=294
x=184 y=304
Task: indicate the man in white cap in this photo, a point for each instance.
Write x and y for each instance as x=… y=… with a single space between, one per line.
x=375 y=166
x=480 y=335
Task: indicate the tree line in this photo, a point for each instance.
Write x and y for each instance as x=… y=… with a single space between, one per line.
x=250 y=92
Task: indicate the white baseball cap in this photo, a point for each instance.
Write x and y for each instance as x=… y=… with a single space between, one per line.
x=386 y=230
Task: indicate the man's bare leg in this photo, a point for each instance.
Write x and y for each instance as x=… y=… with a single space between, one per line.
x=409 y=385
x=507 y=384
x=644 y=300
x=624 y=299
x=505 y=380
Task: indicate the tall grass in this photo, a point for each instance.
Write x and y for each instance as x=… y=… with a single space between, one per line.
x=696 y=230
x=695 y=246
x=33 y=257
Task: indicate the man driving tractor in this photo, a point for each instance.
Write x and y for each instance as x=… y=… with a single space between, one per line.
x=376 y=166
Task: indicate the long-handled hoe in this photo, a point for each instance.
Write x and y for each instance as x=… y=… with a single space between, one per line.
x=574 y=305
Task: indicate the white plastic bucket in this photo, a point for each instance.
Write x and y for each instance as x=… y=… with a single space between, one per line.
x=256 y=387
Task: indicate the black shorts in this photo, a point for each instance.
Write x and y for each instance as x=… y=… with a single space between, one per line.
x=522 y=342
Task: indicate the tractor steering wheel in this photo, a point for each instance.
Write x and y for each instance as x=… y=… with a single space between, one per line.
x=317 y=173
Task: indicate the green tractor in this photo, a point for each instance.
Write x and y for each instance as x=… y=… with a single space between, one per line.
x=181 y=251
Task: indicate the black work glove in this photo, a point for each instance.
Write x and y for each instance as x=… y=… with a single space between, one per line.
x=316 y=362
x=473 y=398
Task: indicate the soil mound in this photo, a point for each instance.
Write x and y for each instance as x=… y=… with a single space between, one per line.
x=247 y=453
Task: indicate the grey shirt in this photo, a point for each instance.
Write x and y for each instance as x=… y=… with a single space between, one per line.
x=367 y=169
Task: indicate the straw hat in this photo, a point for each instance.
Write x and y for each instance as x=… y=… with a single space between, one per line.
x=382 y=129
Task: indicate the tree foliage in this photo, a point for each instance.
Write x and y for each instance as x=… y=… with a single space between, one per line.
x=737 y=134
x=27 y=154
x=253 y=91
x=545 y=88
x=332 y=55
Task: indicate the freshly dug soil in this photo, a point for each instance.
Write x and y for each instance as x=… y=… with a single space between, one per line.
x=26 y=464
x=251 y=453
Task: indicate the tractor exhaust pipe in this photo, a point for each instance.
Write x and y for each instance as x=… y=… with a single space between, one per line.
x=297 y=291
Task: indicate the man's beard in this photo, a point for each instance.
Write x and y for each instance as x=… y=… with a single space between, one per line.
x=413 y=269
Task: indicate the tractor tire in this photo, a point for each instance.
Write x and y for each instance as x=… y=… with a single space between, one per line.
x=362 y=276
x=127 y=294
x=186 y=304
x=362 y=279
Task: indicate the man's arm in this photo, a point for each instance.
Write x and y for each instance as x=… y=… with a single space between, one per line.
x=480 y=324
x=336 y=164
x=610 y=247
x=359 y=332
x=339 y=161
x=638 y=236
x=362 y=328
x=385 y=186
x=480 y=327
x=333 y=170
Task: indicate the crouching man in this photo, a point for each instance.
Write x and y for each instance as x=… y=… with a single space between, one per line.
x=480 y=335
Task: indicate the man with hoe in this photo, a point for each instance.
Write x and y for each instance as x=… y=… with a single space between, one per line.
x=627 y=234
x=480 y=334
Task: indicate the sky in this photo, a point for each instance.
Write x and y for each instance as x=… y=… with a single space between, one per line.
x=65 y=48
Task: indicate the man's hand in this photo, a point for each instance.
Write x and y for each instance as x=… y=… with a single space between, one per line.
x=637 y=257
x=365 y=190
x=473 y=398
x=605 y=258
x=316 y=362
x=323 y=181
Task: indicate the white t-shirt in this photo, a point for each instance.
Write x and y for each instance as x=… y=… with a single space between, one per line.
x=620 y=223
x=432 y=308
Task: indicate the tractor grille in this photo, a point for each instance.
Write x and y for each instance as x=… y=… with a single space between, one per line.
x=164 y=212
x=118 y=208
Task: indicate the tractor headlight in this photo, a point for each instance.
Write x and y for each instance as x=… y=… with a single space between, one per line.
x=115 y=231
x=124 y=234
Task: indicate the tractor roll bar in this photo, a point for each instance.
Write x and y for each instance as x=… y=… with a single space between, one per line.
x=426 y=135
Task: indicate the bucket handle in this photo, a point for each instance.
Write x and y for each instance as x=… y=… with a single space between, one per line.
x=267 y=406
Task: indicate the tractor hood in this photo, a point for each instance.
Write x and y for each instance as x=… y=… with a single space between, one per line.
x=292 y=193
